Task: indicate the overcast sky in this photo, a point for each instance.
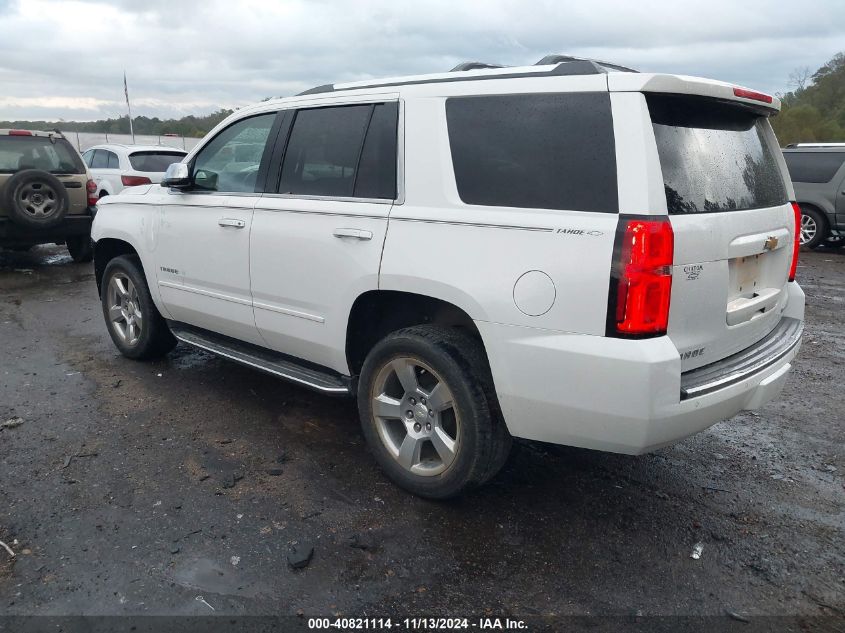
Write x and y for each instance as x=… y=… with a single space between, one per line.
x=65 y=59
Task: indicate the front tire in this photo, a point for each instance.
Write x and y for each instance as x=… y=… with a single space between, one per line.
x=814 y=228
x=134 y=323
x=429 y=412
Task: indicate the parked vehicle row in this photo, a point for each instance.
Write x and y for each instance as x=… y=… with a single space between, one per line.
x=570 y=252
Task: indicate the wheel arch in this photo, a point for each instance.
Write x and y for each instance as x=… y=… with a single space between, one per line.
x=105 y=250
x=376 y=313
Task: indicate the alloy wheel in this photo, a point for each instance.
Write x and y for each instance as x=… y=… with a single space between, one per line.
x=416 y=416
x=124 y=309
x=809 y=228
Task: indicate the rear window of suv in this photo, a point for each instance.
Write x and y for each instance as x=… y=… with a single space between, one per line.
x=543 y=151
x=815 y=167
x=56 y=156
x=154 y=161
x=714 y=156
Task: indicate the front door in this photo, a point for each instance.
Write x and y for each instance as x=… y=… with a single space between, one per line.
x=202 y=253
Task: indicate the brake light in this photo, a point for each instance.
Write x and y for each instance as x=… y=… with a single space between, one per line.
x=91 y=188
x=20 y=133
x=752 y=94
x=796 y=246
x=134 y=181
x=641 y=281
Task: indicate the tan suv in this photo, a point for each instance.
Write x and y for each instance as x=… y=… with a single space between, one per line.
x=46 y=193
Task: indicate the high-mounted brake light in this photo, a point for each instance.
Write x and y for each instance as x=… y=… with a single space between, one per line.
x=752 y=94
x=20 y=133
x=134 y=181
x=796 y=246
x=91 y=188
x=641 y=280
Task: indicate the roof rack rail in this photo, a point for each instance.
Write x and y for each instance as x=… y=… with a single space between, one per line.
x=557 y=59
x=474 y=66
x=567 y=67
x=816 y=144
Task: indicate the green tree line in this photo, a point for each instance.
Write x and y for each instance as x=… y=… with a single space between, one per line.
x=190 y=126
x=815 y=110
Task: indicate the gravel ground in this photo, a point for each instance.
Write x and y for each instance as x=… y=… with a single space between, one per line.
x=133 y=488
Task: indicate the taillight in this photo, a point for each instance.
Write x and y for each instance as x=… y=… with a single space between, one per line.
x=796 y=246
x=752 y=94
x=91 y=188
x=20 y=133
x=641 y=279
x=134 y=181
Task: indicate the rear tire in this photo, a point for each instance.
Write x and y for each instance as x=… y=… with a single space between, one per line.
x=80 y=247
x=135 y=325
x=429 y=412
x=814 y=227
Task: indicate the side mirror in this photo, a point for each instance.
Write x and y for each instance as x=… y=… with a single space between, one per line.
x=177 y=176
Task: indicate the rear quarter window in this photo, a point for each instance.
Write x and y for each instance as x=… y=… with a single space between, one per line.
x=815 y=167
x=714 y=156
x=545 y=151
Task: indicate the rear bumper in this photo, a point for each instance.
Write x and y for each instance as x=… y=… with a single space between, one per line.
x=11 y=233
x=623 y=396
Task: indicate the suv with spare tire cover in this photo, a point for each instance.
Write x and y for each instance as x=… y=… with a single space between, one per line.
x=570 y=252
x=46 y=193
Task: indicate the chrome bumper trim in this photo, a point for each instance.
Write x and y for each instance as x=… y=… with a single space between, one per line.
x=752 y=360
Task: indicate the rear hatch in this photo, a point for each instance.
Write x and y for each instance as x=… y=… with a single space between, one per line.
x=20 y=150
x=728 y=204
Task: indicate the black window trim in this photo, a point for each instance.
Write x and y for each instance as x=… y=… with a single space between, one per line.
x=275 y=172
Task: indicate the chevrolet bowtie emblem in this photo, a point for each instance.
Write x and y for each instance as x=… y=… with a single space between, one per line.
x=771 y=243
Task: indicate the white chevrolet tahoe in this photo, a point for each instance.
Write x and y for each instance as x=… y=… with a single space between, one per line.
x=569 y=252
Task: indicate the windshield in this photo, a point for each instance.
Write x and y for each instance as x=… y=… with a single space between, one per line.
x=38 y=152
x=714 y=156
x=154 y=161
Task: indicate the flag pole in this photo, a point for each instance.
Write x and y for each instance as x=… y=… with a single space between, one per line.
x=128 y=107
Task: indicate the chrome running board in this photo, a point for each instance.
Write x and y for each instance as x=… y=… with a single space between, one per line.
x=262 y=359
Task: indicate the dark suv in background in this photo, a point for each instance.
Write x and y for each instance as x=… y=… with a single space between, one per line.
x=46 y=193
x=818 y=175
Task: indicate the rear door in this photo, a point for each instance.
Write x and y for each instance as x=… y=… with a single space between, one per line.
x=317 y=239
x=728 y=201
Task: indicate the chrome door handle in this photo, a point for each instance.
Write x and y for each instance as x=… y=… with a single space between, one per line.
x=358 y=234
x=232 y=222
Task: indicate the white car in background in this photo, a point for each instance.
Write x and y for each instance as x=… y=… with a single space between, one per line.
x=115 y=166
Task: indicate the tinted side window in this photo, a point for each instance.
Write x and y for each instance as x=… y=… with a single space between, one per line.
x=815 y=167
x=113 y=162
x=230 y=161
x=377 y=169
x=87 y=156
x=323 y=151
x=547 y=151
x=100 y=160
